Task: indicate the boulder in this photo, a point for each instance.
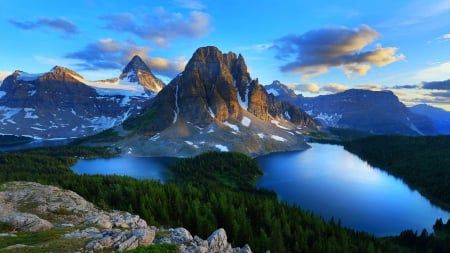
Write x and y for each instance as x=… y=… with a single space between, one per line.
x=26 y=222
x=218 y=240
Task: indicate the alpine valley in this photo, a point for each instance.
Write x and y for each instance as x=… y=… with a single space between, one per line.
x=214 y=104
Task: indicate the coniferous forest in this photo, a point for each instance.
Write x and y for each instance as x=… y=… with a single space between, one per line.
x=210 y=191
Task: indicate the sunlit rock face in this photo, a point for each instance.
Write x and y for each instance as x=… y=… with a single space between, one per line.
x=217 y=86
x=214 y=104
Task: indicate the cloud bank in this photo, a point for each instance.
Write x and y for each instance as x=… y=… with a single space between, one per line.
x=160 y=27
x=110 y=54
x=437 y=85
x=316 y=88
x=58 y=24
x=314 y=52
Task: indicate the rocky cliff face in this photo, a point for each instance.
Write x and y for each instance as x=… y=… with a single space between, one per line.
x=215 y=104
x=216 y=86
x=42 y=209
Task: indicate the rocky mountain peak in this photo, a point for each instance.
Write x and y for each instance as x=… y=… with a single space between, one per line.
x=59 y=73
x=214 y=104
x=204 y=91
x=136 y=64
x=137 y=71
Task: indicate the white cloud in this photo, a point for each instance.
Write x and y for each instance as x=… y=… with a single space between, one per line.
x=372 y=87
x=315 y=51
x=436 y=72
x=334 y=87
x=160 y=27
x=3 y=75
x=309 y=87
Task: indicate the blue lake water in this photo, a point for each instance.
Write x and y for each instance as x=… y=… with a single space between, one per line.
x=138 y=167
x=326 y=180
x=332 y=182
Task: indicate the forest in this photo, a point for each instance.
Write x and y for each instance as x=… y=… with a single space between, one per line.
x=207 y=192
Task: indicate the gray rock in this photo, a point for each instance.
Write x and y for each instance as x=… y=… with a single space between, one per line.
x=176 y=236
x=218 y=241
x=26 y=222
x=16 y=246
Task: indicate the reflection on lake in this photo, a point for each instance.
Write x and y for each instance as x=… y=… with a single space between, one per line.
x=331 y=182
x=137 y=167
x=326 y=179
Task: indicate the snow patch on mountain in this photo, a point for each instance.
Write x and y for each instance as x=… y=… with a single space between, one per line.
x=190 y=143
x=29 y=113
x=222 y=148
x=7 y=113
x=232 y=126
x=211 y=112
x=246 y=121
x=329 y=119
x=244 y=104
x=24 y=76
x=277 y=123
x=273 y=91
x=155 y=137
x=278 y=138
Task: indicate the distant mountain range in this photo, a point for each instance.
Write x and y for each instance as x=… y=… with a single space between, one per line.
x=62 y=104
x=439 y=117
x=213 y=104
x=376 y=112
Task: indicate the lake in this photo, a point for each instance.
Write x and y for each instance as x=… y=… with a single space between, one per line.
x=332 y=182
x=325 y=179
x=138 y=167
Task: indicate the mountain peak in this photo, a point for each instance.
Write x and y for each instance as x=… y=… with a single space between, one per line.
x=59 y=73
x=136 y=71
x=281 y=91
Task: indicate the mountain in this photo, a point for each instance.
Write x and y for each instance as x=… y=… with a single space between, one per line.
x=137 y=71
x=377 y=112
x=62 y=104
x=439 y=117
x=214 y=104
x=282 y=92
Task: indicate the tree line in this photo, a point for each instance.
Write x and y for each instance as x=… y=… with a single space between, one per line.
x=206 y=192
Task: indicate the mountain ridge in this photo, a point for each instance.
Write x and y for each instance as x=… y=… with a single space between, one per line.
x=60 y=103
x=214 y=104
x=376 y=112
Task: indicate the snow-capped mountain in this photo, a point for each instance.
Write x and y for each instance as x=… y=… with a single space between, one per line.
x=214 y=104
x=137 y=71
x=62 y=104
x=377 y=112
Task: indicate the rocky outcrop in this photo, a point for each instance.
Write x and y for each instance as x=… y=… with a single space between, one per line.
x=26 y=222
x=103 y=230
x=217 y=242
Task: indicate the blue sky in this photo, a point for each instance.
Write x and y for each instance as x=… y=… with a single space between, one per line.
x=316 y=47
